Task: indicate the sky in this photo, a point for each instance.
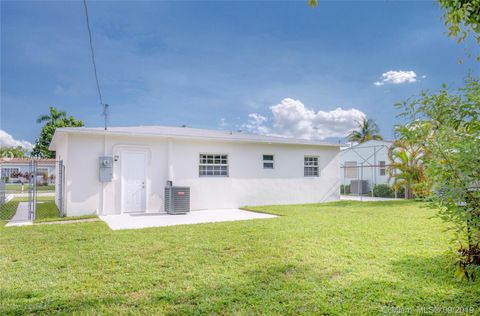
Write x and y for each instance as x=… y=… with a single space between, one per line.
x=279 y=68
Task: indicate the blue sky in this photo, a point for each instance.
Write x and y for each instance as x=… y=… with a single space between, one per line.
x=220 y=64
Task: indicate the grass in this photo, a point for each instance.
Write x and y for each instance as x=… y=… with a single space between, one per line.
x=338 y=258
x=18 y=187
x=7 y=211
x=46 y=210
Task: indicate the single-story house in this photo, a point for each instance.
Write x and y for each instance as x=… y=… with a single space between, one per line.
x=16 y=170
x=367 y=161
x=223 y=169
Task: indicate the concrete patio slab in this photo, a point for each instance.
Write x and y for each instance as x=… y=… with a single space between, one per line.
x=21 y=216
x=366 y=198
x=133 y=221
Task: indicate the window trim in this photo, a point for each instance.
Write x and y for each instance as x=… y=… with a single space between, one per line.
x=200 y=164
x=310 y=166
x=268 y=161
x=382 y=168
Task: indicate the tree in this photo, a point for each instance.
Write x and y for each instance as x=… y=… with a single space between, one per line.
x=447 y=125
x=367 y=130
x=53 y=117
x=53 y=120
x=13 y=152
x=462 y=17
x=406 y=165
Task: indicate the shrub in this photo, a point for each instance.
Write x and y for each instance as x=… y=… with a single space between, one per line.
x=400 y=192
x=345 y=189
x=383 y=190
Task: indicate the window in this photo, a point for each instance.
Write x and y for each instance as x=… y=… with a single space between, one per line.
x=350 y=169
x=42 y=171
x=382 y=169
x=213 y=165
x=267 y=161
x=310 y=166
x=9 y=172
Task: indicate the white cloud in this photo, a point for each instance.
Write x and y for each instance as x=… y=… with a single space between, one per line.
x=222 y=123
x=397 y=77
x=256 y=124
x=292 y=119
x=7 y=140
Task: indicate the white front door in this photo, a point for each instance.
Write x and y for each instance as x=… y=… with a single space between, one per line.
x=133 y=181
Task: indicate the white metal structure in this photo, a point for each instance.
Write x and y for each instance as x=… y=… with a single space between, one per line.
x=367 y=161
x=223 y=169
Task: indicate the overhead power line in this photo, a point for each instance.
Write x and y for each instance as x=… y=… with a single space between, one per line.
x=92 y=53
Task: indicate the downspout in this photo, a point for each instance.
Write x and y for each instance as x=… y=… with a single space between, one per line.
x=170 y=168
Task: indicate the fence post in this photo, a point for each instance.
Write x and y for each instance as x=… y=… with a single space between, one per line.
x=34 y=191
x=3 y=196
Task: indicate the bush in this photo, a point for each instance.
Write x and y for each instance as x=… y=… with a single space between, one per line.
x=400 y=192
x=345 y=189
x=383 y=190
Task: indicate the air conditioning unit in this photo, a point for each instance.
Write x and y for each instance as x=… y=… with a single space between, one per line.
x=359 y=187
x=177 y=200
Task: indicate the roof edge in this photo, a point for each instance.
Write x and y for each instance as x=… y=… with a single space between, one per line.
x=276 y=140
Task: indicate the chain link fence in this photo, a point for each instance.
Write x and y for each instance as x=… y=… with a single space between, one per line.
x=31 y=189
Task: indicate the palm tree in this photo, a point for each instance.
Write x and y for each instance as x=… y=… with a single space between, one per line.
x=406 y=165
x=367 y=130
x=53 y=117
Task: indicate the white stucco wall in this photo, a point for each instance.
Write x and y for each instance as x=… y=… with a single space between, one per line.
x=248 y=183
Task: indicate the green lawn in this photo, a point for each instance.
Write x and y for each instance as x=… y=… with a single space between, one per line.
x=46 y=209
x=7 y=211
x=338 y=258
x=18 y=187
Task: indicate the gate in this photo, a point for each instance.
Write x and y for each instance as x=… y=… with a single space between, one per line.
x=31 y=189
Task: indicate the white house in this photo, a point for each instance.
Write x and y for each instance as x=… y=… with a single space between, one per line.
x=223 y=169
x=14 y=170
x=367 y=161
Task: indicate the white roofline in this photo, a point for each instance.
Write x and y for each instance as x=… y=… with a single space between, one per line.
x=220 y=137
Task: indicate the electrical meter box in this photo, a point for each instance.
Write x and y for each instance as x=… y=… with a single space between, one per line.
x=105 y=168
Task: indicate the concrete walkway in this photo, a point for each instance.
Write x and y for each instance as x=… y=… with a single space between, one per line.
x=131 y=221
x=366 y=198
x=21 y=216
x=39 y=193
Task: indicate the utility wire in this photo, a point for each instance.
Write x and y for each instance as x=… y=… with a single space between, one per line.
x=93 y=54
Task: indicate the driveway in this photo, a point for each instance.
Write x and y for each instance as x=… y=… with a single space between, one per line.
x=132 y=221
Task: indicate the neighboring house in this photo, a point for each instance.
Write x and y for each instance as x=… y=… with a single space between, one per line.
x=16 y=170
x=366 y=161
x=223 y=169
